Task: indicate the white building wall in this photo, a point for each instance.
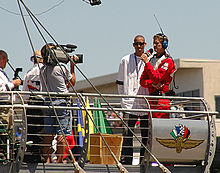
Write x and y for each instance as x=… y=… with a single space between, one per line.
x=189 y=79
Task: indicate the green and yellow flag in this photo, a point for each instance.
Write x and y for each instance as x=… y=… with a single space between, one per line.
x=100 y=119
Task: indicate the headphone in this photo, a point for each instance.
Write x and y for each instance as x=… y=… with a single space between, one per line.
x=165 y=40
x=46 y=52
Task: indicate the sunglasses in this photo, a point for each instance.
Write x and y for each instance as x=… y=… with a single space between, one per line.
x=139 y=43
x=32 y=57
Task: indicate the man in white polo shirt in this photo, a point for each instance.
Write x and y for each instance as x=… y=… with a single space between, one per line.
x=129 y=73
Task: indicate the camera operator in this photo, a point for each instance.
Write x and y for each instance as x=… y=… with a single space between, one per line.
x=56 y=77
x=6 y=113
x=6 y=85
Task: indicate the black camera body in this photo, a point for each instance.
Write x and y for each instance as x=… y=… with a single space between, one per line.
x=54 y=54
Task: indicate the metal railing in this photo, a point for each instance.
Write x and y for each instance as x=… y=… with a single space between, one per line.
x=97 y=115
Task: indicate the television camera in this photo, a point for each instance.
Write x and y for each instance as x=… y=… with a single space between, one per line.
x=54 y=54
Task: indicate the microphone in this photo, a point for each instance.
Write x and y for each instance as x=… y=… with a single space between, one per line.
x=71 y=46
x=149 y=52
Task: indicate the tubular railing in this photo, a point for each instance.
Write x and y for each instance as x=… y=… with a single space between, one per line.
x=96 y=141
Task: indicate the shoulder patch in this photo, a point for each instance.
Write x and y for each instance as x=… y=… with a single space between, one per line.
x=165 y=66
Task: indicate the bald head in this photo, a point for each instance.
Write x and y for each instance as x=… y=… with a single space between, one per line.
x=3 y=54
x=3 y=59
x=139 y=37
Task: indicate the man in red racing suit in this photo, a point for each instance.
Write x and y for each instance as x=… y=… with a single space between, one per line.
x=157 y=75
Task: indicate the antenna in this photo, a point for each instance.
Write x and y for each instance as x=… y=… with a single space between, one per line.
x=158 y=24
x=173 y=84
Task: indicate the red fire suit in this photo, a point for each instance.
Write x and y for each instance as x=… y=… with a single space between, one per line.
x=162 y=73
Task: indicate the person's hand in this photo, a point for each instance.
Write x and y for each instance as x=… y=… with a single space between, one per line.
x=68 y=84
x=158 y=86
x=74 y=58
x=144 y=58
x=16 y=82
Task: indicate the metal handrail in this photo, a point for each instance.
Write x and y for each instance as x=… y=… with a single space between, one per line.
x=197 y=108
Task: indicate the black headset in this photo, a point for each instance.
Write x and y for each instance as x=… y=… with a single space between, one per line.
x=165 y=40
x=47 y=53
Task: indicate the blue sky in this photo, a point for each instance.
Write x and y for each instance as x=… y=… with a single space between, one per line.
x=104 y=33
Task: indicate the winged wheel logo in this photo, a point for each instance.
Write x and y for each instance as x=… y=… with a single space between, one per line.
x=181 y=135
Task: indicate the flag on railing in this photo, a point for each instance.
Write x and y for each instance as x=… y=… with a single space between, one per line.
x=80 y=125
x=71 y=142
x=96 y=117
x=100 y=120
x=91 y=125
